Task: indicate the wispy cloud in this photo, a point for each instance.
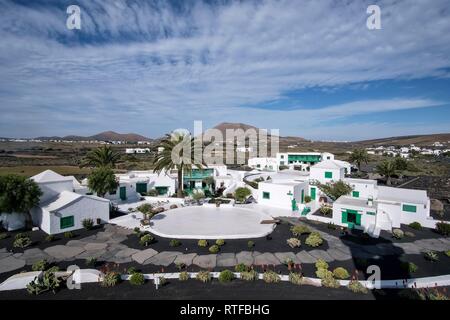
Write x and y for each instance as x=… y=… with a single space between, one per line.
x=148 y=66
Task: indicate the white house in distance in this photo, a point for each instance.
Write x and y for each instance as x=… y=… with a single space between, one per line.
x=265 y=163
x=61 y=209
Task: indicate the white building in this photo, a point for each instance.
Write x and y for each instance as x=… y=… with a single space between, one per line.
x=327 y=171
x=137 y=150
x=263 y=163
x=61 y=209
x=302 y=160
x=283 y=194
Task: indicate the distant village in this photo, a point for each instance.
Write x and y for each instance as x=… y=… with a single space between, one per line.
x=436 y=149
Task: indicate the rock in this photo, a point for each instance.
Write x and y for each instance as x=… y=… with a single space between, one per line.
x=60 y=252
x=321 y=254
x=126 y=253
x=33 y=255
x=245 y=257
x=95 y=246
x=338 y=255
x=436 y=205
x=226 y=260
x=284 y=256
x=163 y=258
x=185 y=258
x=207 y=261
x=75 y=243
x=305 y=257
x=408 y=248
x=266 y=259
x=143 y=255
x=11 y=263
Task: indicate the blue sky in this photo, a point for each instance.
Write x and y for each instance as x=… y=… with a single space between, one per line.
x=309 y=68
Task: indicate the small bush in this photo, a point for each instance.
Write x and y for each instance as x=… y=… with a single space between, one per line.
x=431 y=256
x=409 y=267
x=68 y=234
x=443 y=228
x=415 y=225
x=184 y=276
x=447 y=253
x=202 y=243
x=40 y=265
x=214 y=248
x=88 y=223
x=175 y=243
x=53 y=269
x=91 y=262
x=136 y=230
x=298 y=230
x=307 y=199
x=314 y=239
x=48 y=282
x=293 y=242
x=241 y=268
x=21 y=242
x=331 y=226
x=220 y=242
x=296 y=278
x=162 y=281
x=180 y=265
x=250 y=275
x=131 y=270
x=110 y=279
x=137 y=279
x=226 y=276
x=330 y=282
x=356 y=287
x=398 y=233
x=322 y=273
x=271 y=277
x=50 y=238
x=3 y=235
x=250 y=244
x=146 y=239
x=326 y=210
x=321 y=264
x=203 y=276
x=341 y=273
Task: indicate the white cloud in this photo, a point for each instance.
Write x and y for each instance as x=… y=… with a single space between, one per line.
x=149 y=68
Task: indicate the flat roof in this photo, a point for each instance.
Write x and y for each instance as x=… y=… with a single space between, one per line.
x=402 y=195
x=356 y=202
x=365 y=181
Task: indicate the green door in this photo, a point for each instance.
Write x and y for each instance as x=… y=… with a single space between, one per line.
x=303 y=196
x=123 y=193
x=162 y=190
x=313 y=193
x=141 y=187
x=351 y=217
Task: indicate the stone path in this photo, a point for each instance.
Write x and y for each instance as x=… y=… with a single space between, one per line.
x=106 y=246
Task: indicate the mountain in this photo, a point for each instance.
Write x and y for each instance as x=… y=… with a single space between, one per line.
x=419 y=140
x=234 y=126
x=102 y=136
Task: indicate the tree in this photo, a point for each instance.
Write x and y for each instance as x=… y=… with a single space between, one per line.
x=387 y=169
x=18 y=194
x=102 y=180
x=172 y=156
x=103 y=156
x=359 y=156
x=335 y=189
x=242 y=193
x=400 y=163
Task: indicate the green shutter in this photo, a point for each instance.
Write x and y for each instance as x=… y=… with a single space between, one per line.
x=313 y=193
x=123 y=193
x=355 y=194
x=344 y=216
x=409 y=208
x=358 y=219
x=303 y=196
x=328 y=174
x=370 y=213
x=266 y=195
x=66 y=222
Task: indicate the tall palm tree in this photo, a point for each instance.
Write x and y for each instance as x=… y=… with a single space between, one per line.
x=103 y=156
x=387 y=169
x=172 y=156
x=359 y=156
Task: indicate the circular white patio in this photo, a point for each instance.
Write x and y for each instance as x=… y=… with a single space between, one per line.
x=201 y=222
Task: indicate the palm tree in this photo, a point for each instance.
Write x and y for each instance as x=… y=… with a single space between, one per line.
x=172 y=156
x=359 y=156
x=103 y=156
x=387 y=169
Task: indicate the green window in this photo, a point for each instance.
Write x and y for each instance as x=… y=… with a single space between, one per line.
x=162 y=190
x=303 y=196
x=328 y=174
x=266 y=195
x=409 y=208
x=355 y=194
x=67 y=222
x=370 y=213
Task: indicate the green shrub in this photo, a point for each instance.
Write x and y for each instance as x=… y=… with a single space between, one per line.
x=409 y=267
x=146 y=239
x=443 y=228
x=202 y=243
x=242 y=193
x=415 y=225
x=322 y=273
x=326 y=210
x=271 y=277
x=68 y=234
x=49 y=238
x=307 y=199
x=3 y=235
x=249 y=275
x=214 y=248
x=298 y=230
x=331 y=226
x=250 y=244
x=137 y=279
x=293 y=242
x=145 y=208
x=21 y=242
x=431 y=256
x=296 y=278
x=175 y=243
x=314 y=239
x=184 y=276
x=40 y=265
x=91 y=261
x=203 y=276
x=53 y=269
x=398 y=233
x=162 y=281
x=110 y=279
x=330 y=282
x=87 y=223
x=241 y=267
x=447 y=253
x=356 y=287
x=341 y=273
x=321 y=264
x=131 y=270
x=226 y=276
x=136 y=230
x=180 y=265
x=220 y=242
x=48 y=282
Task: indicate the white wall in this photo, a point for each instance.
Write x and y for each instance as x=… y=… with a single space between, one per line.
x=52 y=189
x=279 y=194
x=319 y=174
x=365 y=188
